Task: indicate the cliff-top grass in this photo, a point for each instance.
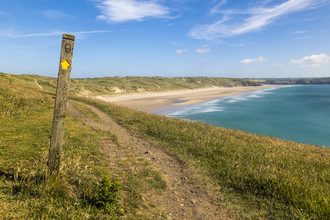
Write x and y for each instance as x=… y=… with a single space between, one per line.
x=263 y=177
x=87 y=186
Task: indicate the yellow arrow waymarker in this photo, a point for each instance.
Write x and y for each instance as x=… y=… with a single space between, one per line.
x=65 y=64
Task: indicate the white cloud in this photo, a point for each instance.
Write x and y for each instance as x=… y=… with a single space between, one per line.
x=304 y=37
x=52 y=14
x=277 y=65
x=182 y=51
x=174 y=43
x=258 y=18
x=7 y=32
x=248 y=61
x=311 y=65
x=126 y=10
x=299 y=32
x=46 y=34
x=203 y=50
x=204 y=61
x=216 y=8
x=237 y=45
x=313 y=60
x=61 y=33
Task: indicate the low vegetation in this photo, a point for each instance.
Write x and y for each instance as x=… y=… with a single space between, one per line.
x=119 y=85
x=88 y=187
x=266 y=176
x=261 y=177
x=294 y=81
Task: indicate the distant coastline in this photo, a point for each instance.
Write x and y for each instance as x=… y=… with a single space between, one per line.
x=292 y=81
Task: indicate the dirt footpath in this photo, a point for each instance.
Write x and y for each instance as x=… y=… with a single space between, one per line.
x=183 y=198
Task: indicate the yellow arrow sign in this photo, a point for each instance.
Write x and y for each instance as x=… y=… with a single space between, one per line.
x=65 y=65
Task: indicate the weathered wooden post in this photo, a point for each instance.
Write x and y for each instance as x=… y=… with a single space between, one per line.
x=62 y=92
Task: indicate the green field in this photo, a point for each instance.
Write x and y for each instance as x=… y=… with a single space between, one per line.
x=262 y=177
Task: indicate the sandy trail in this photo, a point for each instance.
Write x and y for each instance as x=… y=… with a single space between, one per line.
x=152 y=102
x=183 y=198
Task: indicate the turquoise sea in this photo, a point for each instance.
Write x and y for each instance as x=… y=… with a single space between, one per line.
x=299 y=113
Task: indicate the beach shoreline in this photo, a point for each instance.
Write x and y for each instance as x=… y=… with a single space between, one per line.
x=158 y=101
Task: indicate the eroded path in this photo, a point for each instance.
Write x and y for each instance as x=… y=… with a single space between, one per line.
x=183 y=198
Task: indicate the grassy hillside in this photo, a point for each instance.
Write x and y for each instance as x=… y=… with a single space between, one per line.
x=265 y=177
x=262 y=177
x=82 y=190
x=115 y=85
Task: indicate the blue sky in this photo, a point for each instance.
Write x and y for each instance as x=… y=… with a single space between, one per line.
x=215 y=38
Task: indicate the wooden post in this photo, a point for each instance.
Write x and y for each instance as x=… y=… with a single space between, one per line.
x=63 y=84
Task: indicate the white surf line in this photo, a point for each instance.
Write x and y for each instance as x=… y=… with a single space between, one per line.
x=38 y=83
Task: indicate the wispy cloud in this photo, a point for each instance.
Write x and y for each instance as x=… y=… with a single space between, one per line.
x=203 y=50
x=248 y=61
x=313 y=60
x=237 y=45
x=54 y=33
x=277 y=65
x=127 y=10
x=216 y=8
x=6 y=32
x=174 y=43
x=182 y=51
x=54 y=15
x=19 y=52
x=304 y=37
x=204 y=61
x=257 y=18
x=299 y=32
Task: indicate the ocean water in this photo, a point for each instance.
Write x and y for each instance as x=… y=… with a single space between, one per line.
x=298 y=113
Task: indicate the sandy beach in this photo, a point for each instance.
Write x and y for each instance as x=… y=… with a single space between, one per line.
x=151 y=102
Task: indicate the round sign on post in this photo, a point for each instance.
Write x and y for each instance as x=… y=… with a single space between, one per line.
x=62 y=92
x=68 y=48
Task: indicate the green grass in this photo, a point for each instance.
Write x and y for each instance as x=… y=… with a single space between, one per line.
x=265 y=176
x=17 y=99
x=89 y=113
x=108 y=85
x=261 y=177
x=26 y=190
